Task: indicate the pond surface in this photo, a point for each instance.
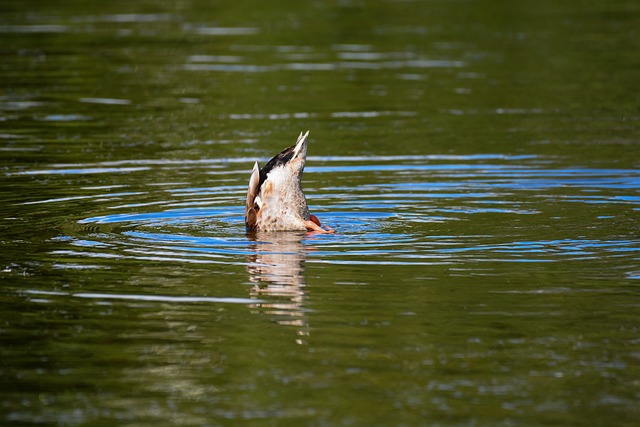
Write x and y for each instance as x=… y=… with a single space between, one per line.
x=479 y=161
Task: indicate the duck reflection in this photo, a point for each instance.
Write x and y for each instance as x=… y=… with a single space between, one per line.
x=277 y=269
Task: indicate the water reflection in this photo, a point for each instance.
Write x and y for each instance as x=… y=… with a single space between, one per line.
x=277 y=269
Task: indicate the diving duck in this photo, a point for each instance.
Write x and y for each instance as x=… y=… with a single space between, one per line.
x=275 y=201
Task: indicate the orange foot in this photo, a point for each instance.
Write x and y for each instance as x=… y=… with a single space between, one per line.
x=313 y=224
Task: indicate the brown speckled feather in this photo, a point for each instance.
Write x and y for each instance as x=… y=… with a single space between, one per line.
x=275 y=200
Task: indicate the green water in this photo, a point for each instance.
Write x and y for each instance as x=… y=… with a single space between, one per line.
x=478 y=159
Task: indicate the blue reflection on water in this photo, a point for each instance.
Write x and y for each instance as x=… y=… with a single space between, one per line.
x=380 y=213
x=164 y=217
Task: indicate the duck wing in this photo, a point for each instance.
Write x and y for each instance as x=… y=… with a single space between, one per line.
x=251 y=209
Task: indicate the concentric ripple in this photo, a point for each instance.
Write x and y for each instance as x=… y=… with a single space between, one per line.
x=421 y=210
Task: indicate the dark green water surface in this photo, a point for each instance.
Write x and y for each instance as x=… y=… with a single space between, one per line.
x=478 y=159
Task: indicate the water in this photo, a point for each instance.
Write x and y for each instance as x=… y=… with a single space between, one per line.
x=478 y=160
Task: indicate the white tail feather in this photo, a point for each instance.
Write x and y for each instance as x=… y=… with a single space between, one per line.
x=300 y=142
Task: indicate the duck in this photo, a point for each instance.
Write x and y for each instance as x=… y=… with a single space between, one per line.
x=275 y=200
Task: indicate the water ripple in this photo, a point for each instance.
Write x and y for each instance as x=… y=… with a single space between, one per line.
x=140 y=298
x=384 y=214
